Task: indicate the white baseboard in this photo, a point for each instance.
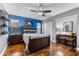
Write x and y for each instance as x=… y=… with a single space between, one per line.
x=53 y=41
x=3 y=50
x=77 y=48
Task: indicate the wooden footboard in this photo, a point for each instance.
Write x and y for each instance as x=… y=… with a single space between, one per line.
x=38 y=43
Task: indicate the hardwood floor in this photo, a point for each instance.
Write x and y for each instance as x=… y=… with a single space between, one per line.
x=55 y=49
x=15 y=50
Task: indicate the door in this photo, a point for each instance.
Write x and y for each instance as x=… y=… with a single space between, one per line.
x=38 y=28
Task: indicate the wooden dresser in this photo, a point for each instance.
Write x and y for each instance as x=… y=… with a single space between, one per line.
x=70 y=40
x=15 y=39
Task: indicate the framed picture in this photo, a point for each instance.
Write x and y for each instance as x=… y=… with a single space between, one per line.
x=28 y=23
x=68 y=26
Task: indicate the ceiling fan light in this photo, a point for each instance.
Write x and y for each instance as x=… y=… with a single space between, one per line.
x=39 y=13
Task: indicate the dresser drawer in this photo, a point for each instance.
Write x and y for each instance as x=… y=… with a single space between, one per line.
x=15 y=38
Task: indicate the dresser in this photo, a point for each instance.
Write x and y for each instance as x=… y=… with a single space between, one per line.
x=70 y=40
x=13 y=39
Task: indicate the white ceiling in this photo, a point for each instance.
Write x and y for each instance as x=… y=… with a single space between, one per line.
x=2 y=6
x=22 y=9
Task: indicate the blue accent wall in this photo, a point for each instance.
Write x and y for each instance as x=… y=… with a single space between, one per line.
x=22 y=20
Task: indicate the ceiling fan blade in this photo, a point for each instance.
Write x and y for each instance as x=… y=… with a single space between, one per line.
x=33 y=10
x=46 y=11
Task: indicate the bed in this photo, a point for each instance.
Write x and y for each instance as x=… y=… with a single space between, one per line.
x=35 y=42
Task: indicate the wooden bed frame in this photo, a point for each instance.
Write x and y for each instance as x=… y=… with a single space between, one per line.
x=38 y=43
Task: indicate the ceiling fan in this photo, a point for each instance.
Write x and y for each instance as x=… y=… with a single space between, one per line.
x=40 y=10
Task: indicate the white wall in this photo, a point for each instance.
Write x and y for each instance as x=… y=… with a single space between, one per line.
x=73 y=18
x=3 y=38
x=2 y=6
x=54 y=31
x=77 y=31
x=3 y=43
x=49 y=28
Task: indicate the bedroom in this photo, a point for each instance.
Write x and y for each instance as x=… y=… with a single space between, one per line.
x=39 y=29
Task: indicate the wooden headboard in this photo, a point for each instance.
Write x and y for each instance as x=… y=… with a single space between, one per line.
x=29 y=30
